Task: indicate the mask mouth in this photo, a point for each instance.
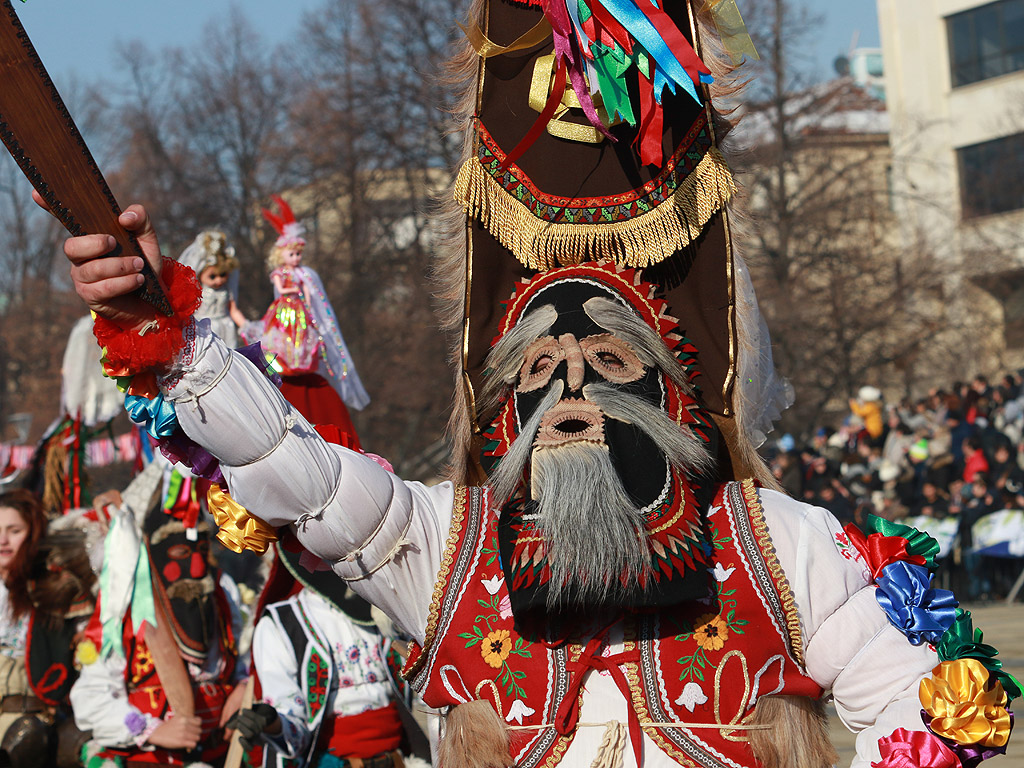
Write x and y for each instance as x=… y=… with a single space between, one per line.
x=571 y=421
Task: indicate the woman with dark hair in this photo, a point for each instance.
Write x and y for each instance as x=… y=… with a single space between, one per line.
x=22 y=525
x=43 y=581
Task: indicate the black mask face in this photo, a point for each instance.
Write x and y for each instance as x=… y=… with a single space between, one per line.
x=183 y=582
x=602 y=378
x=600 y=358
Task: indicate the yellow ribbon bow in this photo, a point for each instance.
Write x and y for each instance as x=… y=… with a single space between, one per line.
x=238 y=529
x=964 y=706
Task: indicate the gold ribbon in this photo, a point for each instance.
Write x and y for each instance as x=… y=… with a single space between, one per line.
x=486 y=48
x=540 y=89
x=732 y=30
x=964 y=705
x=238 y=529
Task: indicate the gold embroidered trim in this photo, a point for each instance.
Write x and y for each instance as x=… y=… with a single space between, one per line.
x=764 y=542
x=458 y=516
x=736 y=721
x=637 y=242
x=636 y=691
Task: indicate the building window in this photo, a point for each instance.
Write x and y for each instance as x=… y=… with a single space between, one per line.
x=986 y=42
x=992 y=176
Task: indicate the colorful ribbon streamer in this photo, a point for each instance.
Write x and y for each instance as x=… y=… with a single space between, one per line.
x=732 y=30
x=486 y=48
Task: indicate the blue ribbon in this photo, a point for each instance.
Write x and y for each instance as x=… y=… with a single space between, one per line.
x=921 y=613
x=156 y=416
x=629 y=15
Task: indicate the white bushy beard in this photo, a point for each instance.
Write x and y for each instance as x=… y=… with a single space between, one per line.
x=594 y=535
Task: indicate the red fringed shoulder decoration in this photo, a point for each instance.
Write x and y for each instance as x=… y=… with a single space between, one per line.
x=154 y=346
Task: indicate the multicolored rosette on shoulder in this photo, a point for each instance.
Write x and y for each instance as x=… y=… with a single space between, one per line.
x=901 y=560
x=965 y=700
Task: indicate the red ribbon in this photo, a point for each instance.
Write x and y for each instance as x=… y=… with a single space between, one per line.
x=554 y=99
x=610 y=27
x=676 y=41
x=651 y=123
x=567 y=715
x=880 y=550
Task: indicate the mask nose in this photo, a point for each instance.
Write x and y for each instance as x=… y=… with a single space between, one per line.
x=573 y=361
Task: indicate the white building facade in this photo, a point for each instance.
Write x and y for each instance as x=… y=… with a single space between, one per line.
x=954 y=72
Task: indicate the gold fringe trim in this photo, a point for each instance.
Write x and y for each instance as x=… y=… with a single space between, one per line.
x=764 y=541
x=638 y=242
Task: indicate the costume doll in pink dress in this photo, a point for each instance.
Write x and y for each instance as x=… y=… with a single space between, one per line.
x=301 y=332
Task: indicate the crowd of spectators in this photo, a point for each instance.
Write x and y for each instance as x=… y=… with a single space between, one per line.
x=956 y=453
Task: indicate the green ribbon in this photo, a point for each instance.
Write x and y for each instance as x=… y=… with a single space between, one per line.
x=143 y=606
x=173 y=489
x=963 y=641
x=611 y=65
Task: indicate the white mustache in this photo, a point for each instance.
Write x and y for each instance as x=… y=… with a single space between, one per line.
x=505 y=478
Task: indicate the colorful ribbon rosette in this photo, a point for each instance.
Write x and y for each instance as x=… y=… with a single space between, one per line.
x=965 y=700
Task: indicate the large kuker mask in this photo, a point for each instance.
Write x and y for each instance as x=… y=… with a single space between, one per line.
x=182 y=582
x=600 y=453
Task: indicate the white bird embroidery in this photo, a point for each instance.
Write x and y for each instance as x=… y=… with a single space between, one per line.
x=721 y=573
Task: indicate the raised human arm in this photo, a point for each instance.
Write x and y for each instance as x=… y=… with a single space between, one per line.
x=384 y=535
x=100 y=703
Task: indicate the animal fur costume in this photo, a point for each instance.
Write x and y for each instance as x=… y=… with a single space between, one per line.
x=665 y=609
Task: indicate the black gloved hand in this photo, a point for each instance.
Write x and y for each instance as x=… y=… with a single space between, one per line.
x=250 y=723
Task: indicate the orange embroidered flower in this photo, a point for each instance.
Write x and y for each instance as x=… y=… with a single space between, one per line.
x=964 y=705
x=711 y=632
x=496 y=647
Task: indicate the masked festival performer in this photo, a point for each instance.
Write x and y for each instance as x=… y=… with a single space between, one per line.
x=322 y=664
x=300 y=330
x=610 y=579
x=160 y=669
x=45 y=599
x=214 y=263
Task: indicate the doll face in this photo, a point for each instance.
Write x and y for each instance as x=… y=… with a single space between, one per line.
x=13 y=532
x=292 y=256
x=212 y=278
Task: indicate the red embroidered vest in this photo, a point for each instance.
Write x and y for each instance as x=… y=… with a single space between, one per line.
x=704 y=663
x=146 y=693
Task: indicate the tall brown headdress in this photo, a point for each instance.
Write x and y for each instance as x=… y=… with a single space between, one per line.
x=590 y=135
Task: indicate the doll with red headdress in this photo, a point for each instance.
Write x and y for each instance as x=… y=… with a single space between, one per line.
x=300 y=330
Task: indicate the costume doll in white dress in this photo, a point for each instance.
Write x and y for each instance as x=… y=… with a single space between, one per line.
x=217 y=270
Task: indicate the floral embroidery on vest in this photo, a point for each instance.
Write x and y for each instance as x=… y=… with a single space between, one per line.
x=696 y=665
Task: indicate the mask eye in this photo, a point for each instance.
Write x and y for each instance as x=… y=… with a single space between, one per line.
x=179 y=551
x=612 y=358
x=541 y=365
x=542 y=358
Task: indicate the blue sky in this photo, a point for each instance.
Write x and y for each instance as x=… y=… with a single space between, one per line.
x=75 y=38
